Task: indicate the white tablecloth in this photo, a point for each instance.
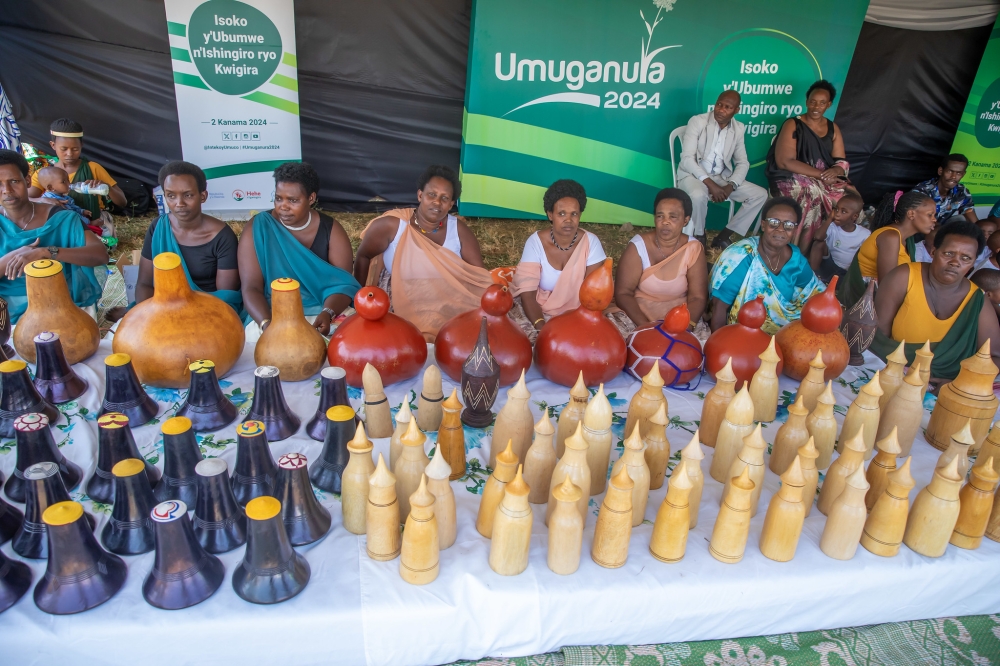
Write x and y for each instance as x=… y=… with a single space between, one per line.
x=355 y=610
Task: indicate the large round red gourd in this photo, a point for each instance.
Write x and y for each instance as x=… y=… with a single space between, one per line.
x=394 y=346
x=818 y=328
x=510 y=346
x=667 y=343
x=583 y=340
x=743 y=342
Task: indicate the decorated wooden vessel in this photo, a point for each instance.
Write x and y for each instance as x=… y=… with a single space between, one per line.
x=451 y=436
x=511 y=529
x=419 y=557
x=410 y=467
x=429 y=401
x=480 y=382
x=382 y=517
x=785 y=515
x=968 y=396
x=673 y=519
x=880 y=467
x=732 y=525
x=934 y=513
x=884 y=527
x=859 y=325
x=614 y=523
x=493 y=492
x=751 y=457
x=976 y=500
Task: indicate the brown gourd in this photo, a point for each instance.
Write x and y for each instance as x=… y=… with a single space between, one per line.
x=864 y=411
x=634 y=463
x=691 y=456
x=713 y=408
x=597 y=432
x=934 y=513
x=764 y=386
x=732 y=525
x=614 y=524
x=737 y=424
x=572 y=464
x=540 y=460
x=429 y=412
x=785 y=515
x=514 y=422
x=791 y=436
x=813 y=384
x=410 y=467
x=751 y=456
x=961 y=443
x=967 y=397
x=437 y=474
x=646 y=400
x=378 y=418
x=810 y=475
x=657 y=447
x=846 y=521
x=571 y=415
x=419 y=557
x=822 y=426
x=891 y=377
x=903 y=412
x=852 y=459
x=512 y=529
x=883 y=532
x=879 y=468
x=403 y=417
x=493 y=491
x=451 y=435
x=565 y=529
x=50 y=308
x=673 y=519
x=382 y=518
x=289 y=343
x=354 y=482
x=976 y=502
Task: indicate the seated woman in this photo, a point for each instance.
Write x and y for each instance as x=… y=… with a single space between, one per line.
x=806 y=162
x=294 y=241
x=33 y=231
x=769 y=266
x=554 y=262
x=917 y=302
x=646 y=291
x=432 y=268
x=892 y=242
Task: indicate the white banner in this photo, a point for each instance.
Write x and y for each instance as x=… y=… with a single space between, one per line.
x=236 y=85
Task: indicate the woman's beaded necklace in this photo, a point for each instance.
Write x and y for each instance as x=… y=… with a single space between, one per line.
x=569 y=247
x=422 y=230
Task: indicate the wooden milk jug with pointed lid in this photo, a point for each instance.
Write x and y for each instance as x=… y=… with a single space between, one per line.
x=785 y=516
x=934 y=513
x=646 y=400
x=571 y=414
x=791 y=436
x=976 y=500
x=403 y=418
x=354 y=482
x=732 y=525
x=540 y=460
x=926 y=357
x=614 y=523
x=597 y=432
x=410 y=466
x=904 y=412
x=378 y=418
x=493 y=491
x=751 y=456
x=692 y=455
x=50 y=308
x=514 y=422
x=853 y=458
x=713 y=408
x=289 y=343
x=382 y=518
x=863 y=411
x=634 y=463
x=883 y=532
x=673 y=519
x=846 y=522
x=573 y=464
x=737 y=424
x=879 y=468
x=451 y=436
x=437 y=474
x=991 y=446
x=993 y=525
x=565 y=529
x=813 y=384
x=657 y=452
x=419 y=557
x=961 y=443
x=764 y=386
x=512 y=529
x=822 y=426
x=891 y=377
x=967 y=397
x=810 y=475
x=429 y=411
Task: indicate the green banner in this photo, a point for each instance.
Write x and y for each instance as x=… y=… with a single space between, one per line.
x=978 y=136
x=591 y=90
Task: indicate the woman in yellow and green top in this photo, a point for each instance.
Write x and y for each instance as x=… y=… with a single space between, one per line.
x=919 y=302
x=67 y=142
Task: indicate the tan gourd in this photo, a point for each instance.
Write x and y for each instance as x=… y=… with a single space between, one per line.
x=614 y=523
x=764 y=386
x=976 y=500
x=382 y=519
x=737 y=425
x=968 y=396
x=785 y=515
x=540 y=460
x=713 y=408
x=842 y=468
x=732 y=525
x=991 y=446
x=514 y=422
x=883 y=533
x=437 y=474
x=571 y=415
x=410 y=466
x=813 y=384
x=50 y=308
x=810 y=475
x=634 y=463
x=378 y=418
x=493 y=491
x=691 y=456
x=646 y=400
x=904 y=413
x=879 y=468
x=429 y=411
x=846 y=522
x=597 y=432
x=863 y=411
x=673 y=519
x=822 y=426
x=451 y=435
x=934 y=513
x=354 y=482
x=751 y=456
x=512 y=529
x=289 y=343
x=565 y=529
x=657 y=447
x=403 y=418
x=959 y=447
x=791 y=436
x=891 y=377
x=420 y=557
x=573 y=464
x=925 y=356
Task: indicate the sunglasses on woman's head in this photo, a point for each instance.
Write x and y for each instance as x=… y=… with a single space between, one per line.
x=774 y=223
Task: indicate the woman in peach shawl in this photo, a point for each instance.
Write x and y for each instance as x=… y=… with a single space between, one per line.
x=431 y=265
x=554 y=262
x=645 y=291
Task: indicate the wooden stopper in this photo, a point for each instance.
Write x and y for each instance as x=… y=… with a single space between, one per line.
x=807 y=456
x=514 y=422
x=813 y=384
x=597 y=432
x=737 y=424
x=403 y=418
x=791 y=436
x=646 y=401
x=934 y=513
x=863 y=411
x=657 y=447
x=925 y=357
x=429 y=411
x=540 y=460
x=572 y=414
x=891 y=377
x=751 y=456
x=354 y=482
x=633 y=461
x=976 y=502
x=958 y=448
x=732 y=525
x=512 y=529
x=883 y=533
x=968 y=396
x=378 y=418
x=410 y=466
x=493 y=491
x=692 y=455
x=382 y=519
x=419 y=559
x=451 y=435
x=573 y=465
x=846 y=521
x=843 y=467
x=764 y=386
x=614 y=523
x=879 y=468
x=565 y=529
x=713 y=408
x=785 y=515
x=673 y=519
x=903 y=412
x=822 y=426
x=438 y=473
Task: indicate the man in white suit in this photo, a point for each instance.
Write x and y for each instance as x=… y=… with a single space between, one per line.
x=714 y=166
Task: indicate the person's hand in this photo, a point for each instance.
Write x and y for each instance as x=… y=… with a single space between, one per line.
x=715 y=192
x=93 y=182
x=17 y=259
x=831 y=175
x=727 y=190
x=88 y=214
x=322 y=323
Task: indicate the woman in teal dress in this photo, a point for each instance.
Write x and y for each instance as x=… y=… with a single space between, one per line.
x=769 y=266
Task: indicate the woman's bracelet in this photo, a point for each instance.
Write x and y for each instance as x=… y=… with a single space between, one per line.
x=329 y=311
x=535 y=323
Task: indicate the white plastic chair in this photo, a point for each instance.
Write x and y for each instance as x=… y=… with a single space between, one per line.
x=676 y=135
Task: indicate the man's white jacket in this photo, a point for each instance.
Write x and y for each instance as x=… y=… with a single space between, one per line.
x=700 y=135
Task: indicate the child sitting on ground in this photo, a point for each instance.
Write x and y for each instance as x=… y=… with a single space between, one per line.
x=838 y=238
x=988 y=279
x=55 y=182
